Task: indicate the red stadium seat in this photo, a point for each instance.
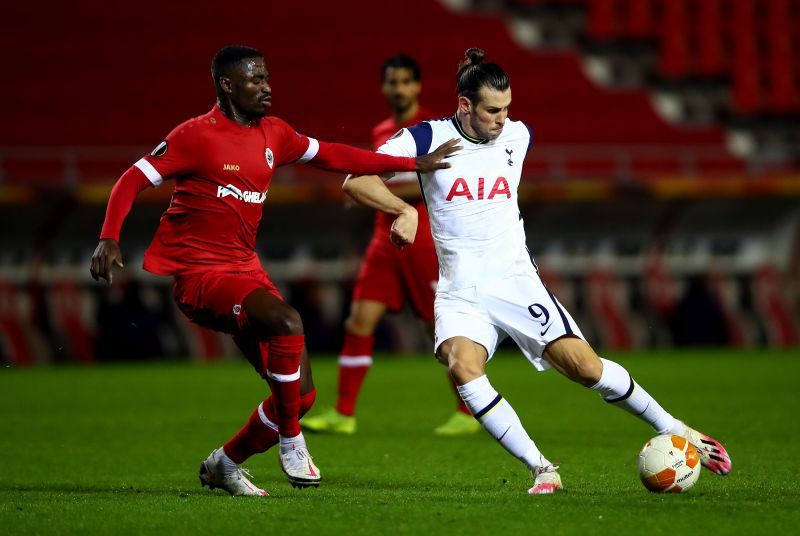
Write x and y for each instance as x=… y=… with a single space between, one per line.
x=708 y=33
x=674 y=61
x=604 y=19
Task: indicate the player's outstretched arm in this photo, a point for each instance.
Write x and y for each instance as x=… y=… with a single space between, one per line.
x=339 y=157
x=370 y=191
x=108 y=253
x=434 y=160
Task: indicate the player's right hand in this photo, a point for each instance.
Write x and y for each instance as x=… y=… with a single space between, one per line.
x=433 y=161
x=106 y=254
x=404 y=228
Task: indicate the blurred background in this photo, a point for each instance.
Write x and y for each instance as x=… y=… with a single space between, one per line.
x=661 y=197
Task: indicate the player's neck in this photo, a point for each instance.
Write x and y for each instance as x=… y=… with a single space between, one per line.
x=230 y=111
x=464 y=126
x=402 y=117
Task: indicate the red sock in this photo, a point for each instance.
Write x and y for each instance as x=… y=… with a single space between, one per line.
x=462 y=407
x=354 y=362
x=261 y=433
x=283 y=375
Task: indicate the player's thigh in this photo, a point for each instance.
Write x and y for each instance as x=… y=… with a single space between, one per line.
x=420 y=272
x=364 y=317
x=216 y=300
x=523 y=307
x=379 y=277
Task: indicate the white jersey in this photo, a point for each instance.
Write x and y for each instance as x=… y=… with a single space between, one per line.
x=475 y=220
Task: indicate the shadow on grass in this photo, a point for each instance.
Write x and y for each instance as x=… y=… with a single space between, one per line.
x=95 y=489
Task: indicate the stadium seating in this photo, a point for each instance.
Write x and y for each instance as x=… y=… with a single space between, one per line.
x=324 y=77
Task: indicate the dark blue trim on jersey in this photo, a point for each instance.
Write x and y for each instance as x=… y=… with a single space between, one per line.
x=567 y=327
x=422 y=190
x=530 y=256
x=476 y=141
x=423 y=136
x=530 y=139
x=625 y=396
x=489 y=408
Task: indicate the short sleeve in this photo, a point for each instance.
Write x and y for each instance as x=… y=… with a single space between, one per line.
x=400 y=144
x=403 y=143
x=293 y=147
x=530 y=138
x=173 y=157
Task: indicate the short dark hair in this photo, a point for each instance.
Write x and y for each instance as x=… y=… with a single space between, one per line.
x=401 y=61
x=229 y=56
x=473 y=74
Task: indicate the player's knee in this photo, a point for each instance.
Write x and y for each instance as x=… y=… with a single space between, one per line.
x=285 y=321
x=443 y=353
x=356 y=325
x=290 y=323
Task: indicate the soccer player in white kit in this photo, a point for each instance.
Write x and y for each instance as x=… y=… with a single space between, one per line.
x=489 y=286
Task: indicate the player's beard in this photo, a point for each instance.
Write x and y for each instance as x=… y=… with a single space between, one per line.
x=484 y=133
x=401 y=104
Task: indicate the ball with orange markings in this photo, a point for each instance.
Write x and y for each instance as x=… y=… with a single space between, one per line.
x=669 y=464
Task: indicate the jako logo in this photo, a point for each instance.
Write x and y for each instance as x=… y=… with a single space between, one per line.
x=461 y=188
x=247 y=197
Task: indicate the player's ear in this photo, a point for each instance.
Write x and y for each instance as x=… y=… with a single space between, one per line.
x=225 y=85
x=464 y=104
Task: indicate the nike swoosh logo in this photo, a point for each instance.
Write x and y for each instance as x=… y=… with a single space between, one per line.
x=311 y=470
x=545 y=330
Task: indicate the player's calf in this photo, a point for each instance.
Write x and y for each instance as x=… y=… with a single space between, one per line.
x=575 y=359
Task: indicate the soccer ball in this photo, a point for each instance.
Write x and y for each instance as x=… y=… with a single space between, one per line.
x=669 y=463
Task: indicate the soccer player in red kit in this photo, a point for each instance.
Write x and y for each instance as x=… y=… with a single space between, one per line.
x=389 y=276
x=222 y=163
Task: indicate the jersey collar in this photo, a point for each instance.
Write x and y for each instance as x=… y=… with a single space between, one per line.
x=220 y=117
x=466 y=136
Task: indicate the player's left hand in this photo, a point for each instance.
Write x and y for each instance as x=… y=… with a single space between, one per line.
x=404 y=228
x=105 y=256
x=433 y=161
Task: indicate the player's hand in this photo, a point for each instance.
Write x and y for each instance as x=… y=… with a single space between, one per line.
x=433 y=161
x=106 y=254
x=404 y=228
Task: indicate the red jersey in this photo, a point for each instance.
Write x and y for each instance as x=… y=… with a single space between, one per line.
x=382 y=132
x=222 y=171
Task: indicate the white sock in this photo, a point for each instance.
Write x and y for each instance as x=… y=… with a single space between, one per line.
x=501 y=421
x=288 y=443
x=617 y=387
x=229 y=464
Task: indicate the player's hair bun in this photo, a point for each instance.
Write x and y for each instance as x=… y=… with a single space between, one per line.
x=473 y=56
x=473 y=74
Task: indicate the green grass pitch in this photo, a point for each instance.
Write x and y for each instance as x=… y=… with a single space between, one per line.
x=115 y=450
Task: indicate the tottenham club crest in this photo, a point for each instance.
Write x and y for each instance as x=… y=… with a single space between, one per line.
x=270 y=157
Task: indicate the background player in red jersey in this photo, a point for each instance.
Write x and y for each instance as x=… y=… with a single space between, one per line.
x=389 y=276
x=222 y=163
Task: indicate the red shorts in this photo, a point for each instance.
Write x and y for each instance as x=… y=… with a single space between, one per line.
x=390 y=275
x=214 y=299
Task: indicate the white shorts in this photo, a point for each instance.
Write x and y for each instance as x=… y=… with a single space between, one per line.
x=519 y=307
